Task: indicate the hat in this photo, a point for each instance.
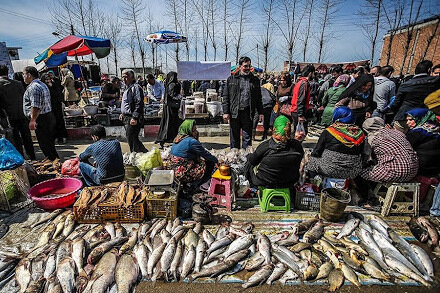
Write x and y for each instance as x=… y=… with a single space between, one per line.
x=433 y=100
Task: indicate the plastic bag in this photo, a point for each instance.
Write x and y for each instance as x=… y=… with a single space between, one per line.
x=10 y=158
x=147 y=161
x=300 y=132
x=71 y=167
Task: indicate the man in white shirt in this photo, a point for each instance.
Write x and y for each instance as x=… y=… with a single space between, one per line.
x=155 y=88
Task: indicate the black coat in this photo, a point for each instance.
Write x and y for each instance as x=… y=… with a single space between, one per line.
x=231 y=96
x=327 y=141
x=412 y=94
x=278 y=164
x=11 y=98
x=428 y=152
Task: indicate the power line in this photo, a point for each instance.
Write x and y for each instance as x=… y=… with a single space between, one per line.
x=28 y=17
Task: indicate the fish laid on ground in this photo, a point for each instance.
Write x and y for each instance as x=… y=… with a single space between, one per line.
x=167 y=257
x=314 y=233
x=254 y=262
x=198 y=228
x=174 y=267
x=214 y=270
x=141 y=253
x=23 y=274
x=99 y=251
x=277 y=272
x=349 y=274
x=78 y=232
x=154 y=258
x=424 y=258
x=69 y=224
x=404 y=270
x=103 y=274
x=47 y=217
x=52 y=285
x=160 y=225
x=78 y=253
x=324 y=270
x=286 y=251
x=126 y=273
x=432 y=232
x=46 y=235
x=300 y=246
x=36 y=286
x=131 y=242
x=375 y=271
x=208 y=237
x=110 y=228
x=176 y=223
x=66 y=274
x=188 y=261
x=191 y=238
x=303 y=226
x=200 y=254
x=259 y=276
x=64 y=250
x=420 y=233
x=120 y=231
x=219 y=243
x=222 y=232
x=38 y=266
x=289 y=275
x=238 y=244
x=165 y=235
x=50 y=264
x=264 y=246
x=348 y=228
x=289 y=262
x=335 y=280
x=311 y=272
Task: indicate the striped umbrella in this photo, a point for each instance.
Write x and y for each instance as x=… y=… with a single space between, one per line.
x=165 y=37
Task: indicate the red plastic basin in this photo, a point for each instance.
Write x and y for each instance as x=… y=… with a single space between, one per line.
x=66 y=188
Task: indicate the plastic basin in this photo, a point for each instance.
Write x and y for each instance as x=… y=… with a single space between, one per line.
x=65 y=188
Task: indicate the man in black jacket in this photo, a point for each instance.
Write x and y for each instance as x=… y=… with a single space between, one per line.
x=11 y=101
x=241 y=97
x=411 y=94
x=132 y=109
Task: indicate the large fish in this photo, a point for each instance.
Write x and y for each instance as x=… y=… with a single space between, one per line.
x=424 y=258
x=126 y=273
x=314 y=233
x=154 y=258
x=349 y=274
x=239 y=244
x=66 y=274
x=264 y=247
x=99 y=251
x=324 y=270
x=174 y=267
x=167 y=257
x=47 y=217
x=289 y=262
x=64 y=250
x=335 y=280
x=104 y=273
x=141 y=253
x=188 y=261
x=23 y=274
x=130 y=243
x=200 y=254
x=303 y=226
x=277 y=272
x=259 y=276
x=208 y=237
x=214 y=270
x=348 y=228
x=110 y=228
x=69 y=224
x=374 y=270
x=404 y=270
x=219 y=243
x=78 y=253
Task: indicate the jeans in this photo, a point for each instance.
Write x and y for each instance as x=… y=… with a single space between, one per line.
x=435 y=208
x=243 y=123
x=46 y=135
x=22 y=136
x=132 y=133
x=89 y=174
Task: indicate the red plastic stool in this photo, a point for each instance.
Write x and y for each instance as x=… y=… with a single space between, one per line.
x=220 y=191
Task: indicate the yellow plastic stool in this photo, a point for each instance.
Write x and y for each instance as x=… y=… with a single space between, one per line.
x=265 y=195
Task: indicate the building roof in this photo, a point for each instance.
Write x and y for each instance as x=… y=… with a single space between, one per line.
x=426 y=20
x=13 y=48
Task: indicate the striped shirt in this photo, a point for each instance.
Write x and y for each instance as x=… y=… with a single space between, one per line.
x=37 y=95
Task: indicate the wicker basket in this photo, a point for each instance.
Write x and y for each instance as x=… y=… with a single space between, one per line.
x=110 y=211
x=307 y=201
x=162 y=207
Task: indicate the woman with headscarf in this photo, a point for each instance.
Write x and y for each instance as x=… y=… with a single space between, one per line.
x=359 y=98
x=283 y=96
x=276 y=161
x=331 y=97
x=68 y=82
x=170 y=116
x=56 y=100
x=337 y=153
x=186 y=156
x=424 y=136
x=392 y=157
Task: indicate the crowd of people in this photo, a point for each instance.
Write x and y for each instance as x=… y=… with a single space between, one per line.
x=377 y=129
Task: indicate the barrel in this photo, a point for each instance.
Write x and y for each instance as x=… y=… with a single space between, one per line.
x=333 y=203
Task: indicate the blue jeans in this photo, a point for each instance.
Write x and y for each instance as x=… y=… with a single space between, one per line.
x=89 y=173
x=435 y=208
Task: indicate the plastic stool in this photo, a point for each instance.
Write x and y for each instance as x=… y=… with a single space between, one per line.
x=220 y=191
x=399 y=198
x=265 y=195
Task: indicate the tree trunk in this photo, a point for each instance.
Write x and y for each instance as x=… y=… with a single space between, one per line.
x=116 y=60
x=306 y=39
x=324 y=23
x=431 y=37
x=373 y=43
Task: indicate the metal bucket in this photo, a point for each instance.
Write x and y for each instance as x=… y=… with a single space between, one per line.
x=333 y=203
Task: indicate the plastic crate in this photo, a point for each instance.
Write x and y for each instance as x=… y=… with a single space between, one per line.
x=162 y=207
x=307 y=201
x=110 y=211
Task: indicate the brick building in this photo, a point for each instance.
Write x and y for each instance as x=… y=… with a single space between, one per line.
x=426 y=38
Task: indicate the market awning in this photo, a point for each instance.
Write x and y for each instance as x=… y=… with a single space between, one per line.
x=165 y=37
x=82 y=45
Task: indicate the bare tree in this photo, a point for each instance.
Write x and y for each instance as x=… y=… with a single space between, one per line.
x=114 y=28
x=132 y=11
x=226 y=24
x=289 y=30
x=267 y=38
x=62 y=16
x=431 y=37
x=212 y=10
x=308 y=27
x=132 y=45
x=153 y=46
x=173 y=11
x=187 y=19
x=243 y=6
x=328 y=10
x=412 y=19
x=204 y=17
x=393 y=20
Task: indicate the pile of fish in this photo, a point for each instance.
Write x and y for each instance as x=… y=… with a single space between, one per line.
x=107 y=257
x=123 y=194
x=47 y=166
x=425 y=231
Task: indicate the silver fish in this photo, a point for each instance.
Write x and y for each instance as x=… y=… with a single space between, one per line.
x=167 y=257
x=47 y=217
x=348 y=228
x=314 y=233
x=424 y=259
x=259 y=276
x=120 y=231
x=23 y=274
x=154 y=258
x=141 y=253
x=289 y=275
x=239 y=244
x=66 y=274
x=213 y=270
x=289 y=262
x=222 y=232
x=176 y=260
x=377 y=225
x=64 y=250
x=277 y=272
x=198 y=228
x=264 y=246
x=191 y=238
x=165 y=235
x=208 y=237
x=176 y=223
x=236 y=269
x=50 y=264
x=110 y=228
x=78 y=253
x=254 y=262
x=188 y=261
x=78 y=232
x=160 y=225
x=375 y=271
x=220 y=243
x=130 y=242
x=200 y=254
x=100 y=250
x=286 y=251
x=126 y=273
x=215 y=254
x=169 y=226
x=69 y=224
x=37 y=267
x=404 y=270
x=103 y=275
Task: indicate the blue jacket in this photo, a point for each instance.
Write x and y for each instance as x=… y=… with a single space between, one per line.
x=191 y=149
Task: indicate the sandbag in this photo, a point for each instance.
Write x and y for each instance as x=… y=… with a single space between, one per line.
x=10 y=158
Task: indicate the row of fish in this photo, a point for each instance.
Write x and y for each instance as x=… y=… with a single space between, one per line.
x=106 y=257
x=47 y=166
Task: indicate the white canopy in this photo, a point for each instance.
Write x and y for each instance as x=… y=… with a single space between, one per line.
x=203 y=70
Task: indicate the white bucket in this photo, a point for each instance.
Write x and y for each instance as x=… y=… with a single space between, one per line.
x=214 y=108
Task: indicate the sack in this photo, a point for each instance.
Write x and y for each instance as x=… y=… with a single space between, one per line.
x=71 y=167
x=147 y=161
x=10 y=158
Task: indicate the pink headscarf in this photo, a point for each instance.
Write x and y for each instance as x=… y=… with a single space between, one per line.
x=343 y=79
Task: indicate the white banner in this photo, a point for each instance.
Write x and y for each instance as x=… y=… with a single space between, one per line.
x=203 y=70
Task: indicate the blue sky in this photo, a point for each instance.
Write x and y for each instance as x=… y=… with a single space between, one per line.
x=27 y=24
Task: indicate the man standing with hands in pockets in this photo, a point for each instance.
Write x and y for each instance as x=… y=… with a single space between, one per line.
x=132 y=109
x=241 y=97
